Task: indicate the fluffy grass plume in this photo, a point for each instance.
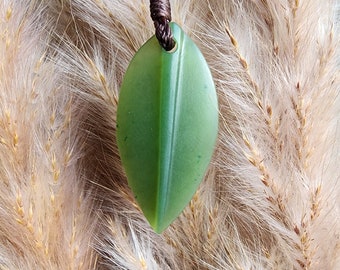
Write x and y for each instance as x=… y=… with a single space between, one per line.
x=271 y=196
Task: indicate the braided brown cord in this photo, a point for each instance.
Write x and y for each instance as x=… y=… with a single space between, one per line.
x=161 y=16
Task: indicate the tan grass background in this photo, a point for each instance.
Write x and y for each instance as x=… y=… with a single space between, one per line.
x=270 y=199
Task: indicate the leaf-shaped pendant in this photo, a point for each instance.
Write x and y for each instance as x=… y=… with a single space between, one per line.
x=167 y=124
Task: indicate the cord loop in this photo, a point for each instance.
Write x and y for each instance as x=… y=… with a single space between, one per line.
x=161 y=15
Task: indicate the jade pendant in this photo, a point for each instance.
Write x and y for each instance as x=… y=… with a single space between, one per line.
x=167 y=123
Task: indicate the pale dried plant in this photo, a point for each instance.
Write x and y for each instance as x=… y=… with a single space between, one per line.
x=270 y=199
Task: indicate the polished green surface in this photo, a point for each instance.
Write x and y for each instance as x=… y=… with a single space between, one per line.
x=167 y=124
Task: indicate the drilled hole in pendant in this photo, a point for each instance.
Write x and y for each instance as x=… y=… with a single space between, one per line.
x=174 y=49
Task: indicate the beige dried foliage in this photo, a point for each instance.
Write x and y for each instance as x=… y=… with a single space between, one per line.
x=270 y=199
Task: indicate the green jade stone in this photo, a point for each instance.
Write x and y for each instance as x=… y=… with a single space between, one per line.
x=167 y=123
